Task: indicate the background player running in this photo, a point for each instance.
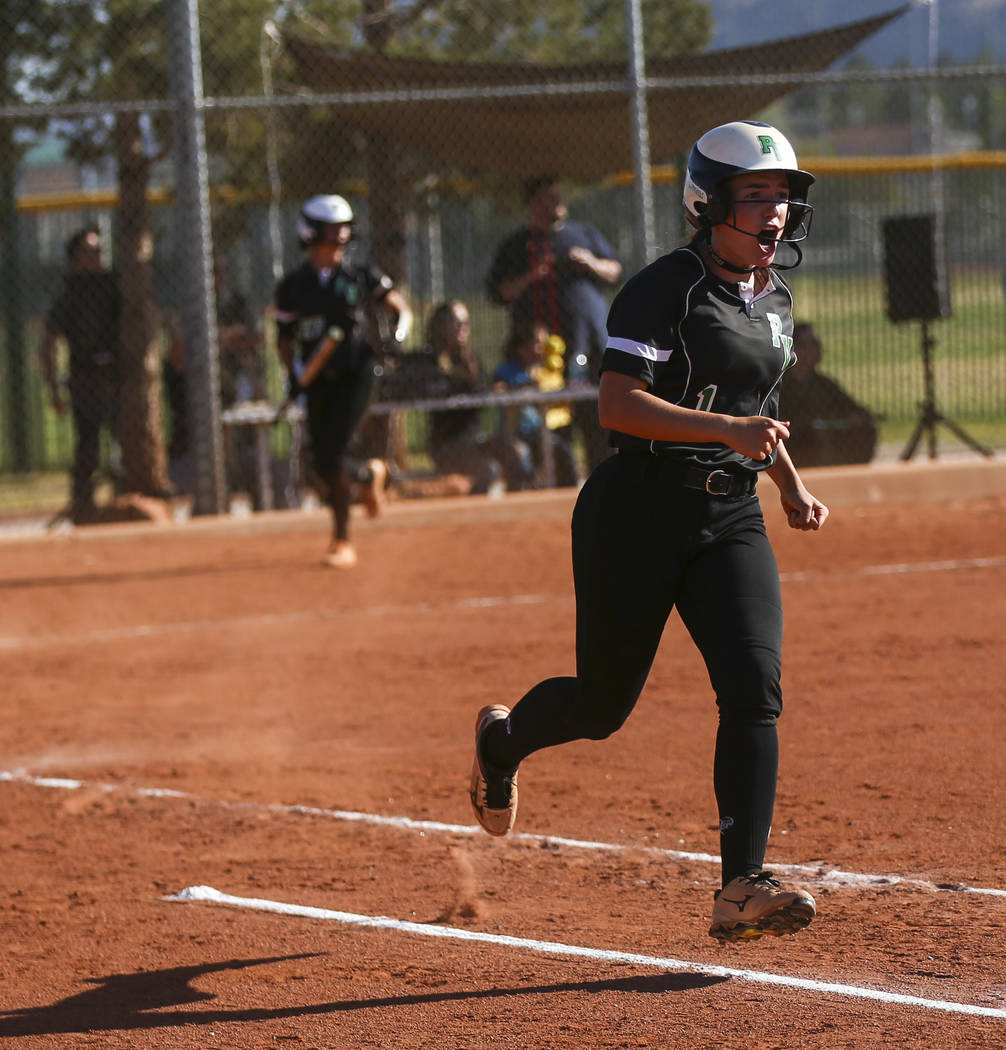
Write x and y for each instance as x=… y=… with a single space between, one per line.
x=322 y=304
x=697 y=345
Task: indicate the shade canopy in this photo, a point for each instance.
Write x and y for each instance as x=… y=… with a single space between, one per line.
x=525 y=118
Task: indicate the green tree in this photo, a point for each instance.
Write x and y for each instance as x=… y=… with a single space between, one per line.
x=975 y=105
x=115 y=52
x=468 y=30
x=561 y=31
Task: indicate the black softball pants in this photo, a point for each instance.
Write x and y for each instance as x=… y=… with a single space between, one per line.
x=335 y=408
x=643 y=544
x=94 y=395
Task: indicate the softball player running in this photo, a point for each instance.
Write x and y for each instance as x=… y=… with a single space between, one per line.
x=698 y=342
x=320 y=309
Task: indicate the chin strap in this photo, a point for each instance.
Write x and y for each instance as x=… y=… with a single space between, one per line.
x=793 y=265
x=720 y=261
x=705 y=235
x=733 y=268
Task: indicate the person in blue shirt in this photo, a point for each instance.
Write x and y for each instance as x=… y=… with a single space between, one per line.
x=555 y=271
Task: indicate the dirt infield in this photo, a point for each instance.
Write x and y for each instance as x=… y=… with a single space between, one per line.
x=204 y=706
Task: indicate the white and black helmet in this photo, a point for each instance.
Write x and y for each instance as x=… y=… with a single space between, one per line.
x=736 y=149
x=317 y=213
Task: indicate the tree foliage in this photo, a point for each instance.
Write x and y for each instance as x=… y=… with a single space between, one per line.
x=970 y=109
x=517 y=31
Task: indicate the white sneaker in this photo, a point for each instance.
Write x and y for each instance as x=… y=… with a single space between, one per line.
x=341 y=555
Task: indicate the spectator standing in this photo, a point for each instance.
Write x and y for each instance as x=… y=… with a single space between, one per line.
x=87 y=313
x=553 y=271
x=827 y=426
x=322 y=304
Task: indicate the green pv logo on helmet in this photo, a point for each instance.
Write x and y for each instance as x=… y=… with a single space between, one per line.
x=768 y=146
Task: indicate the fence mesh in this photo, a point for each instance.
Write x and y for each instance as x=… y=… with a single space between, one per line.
x=428 y=118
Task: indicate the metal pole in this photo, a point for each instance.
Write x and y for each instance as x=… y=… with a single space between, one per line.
x=199 y=327
x=16 y=401
x=934 y=108
x=11 y=275
x=644 y=241
x=270 y=36
x=435 y=241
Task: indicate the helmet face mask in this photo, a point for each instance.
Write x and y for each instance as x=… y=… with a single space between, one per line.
x=319 y=214
x=737 y=149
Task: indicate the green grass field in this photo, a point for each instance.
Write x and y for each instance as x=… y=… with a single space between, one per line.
x=881 y=362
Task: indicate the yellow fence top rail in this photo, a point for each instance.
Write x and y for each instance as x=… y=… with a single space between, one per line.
x=663 y=173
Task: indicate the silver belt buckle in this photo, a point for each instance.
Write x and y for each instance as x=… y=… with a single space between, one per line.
x=718 y=487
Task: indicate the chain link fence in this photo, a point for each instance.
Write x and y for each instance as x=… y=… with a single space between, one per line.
x=186 y=138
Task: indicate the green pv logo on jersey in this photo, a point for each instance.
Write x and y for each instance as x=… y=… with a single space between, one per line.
x=768 y=146
x=780 y=339
x=347 y=290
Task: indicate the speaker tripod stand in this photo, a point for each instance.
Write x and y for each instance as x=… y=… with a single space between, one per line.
x=929 y=416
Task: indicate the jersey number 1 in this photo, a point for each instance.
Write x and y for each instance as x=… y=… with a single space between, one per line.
x=705 y=399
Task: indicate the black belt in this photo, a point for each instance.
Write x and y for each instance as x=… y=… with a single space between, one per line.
x=719 y=482
x=714 y=480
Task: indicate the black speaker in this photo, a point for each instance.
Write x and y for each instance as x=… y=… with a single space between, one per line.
x=915 y=269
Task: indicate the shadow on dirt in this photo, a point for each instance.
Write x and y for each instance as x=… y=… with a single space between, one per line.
x=129 y=1002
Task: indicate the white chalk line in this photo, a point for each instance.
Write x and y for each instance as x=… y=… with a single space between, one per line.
x=132 y=632
x=210 y=895
x=820 y=875
x=899 y=568
x=270 y=620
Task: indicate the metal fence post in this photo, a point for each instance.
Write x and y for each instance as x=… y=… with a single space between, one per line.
x=199 y=328
x=644 y=241
x=16 y=384
x=15 y=391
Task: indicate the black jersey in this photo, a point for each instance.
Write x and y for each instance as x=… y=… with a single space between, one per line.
x=696 y=343
x=310 y=301
x=88 y=312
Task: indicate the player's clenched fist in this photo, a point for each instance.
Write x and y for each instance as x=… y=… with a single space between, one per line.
x=756 y=436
